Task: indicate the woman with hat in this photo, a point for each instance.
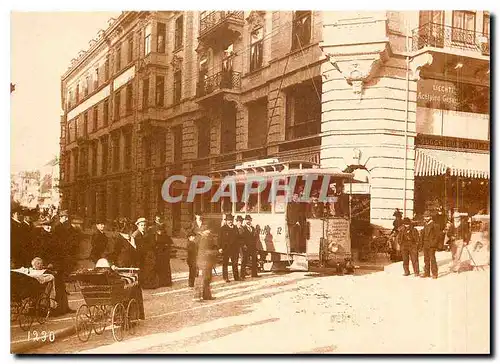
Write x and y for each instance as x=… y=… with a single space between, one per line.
x=99 y=242
x=125 y=252
x=147 y=259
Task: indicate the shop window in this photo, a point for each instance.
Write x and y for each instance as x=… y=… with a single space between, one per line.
x=179 y=32
x=160 y=37
x=256 y=48
x=301 y=29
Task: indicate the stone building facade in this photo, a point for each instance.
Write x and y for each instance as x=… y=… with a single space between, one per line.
x=162 y=93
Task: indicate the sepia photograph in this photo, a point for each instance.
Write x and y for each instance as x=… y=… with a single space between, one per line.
x=250 y=182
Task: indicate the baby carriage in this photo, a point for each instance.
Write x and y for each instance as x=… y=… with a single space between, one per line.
x=30 y=299
x=106 y=294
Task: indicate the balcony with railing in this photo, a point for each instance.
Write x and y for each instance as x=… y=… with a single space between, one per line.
x=435 y=35
x=215 y=23
x=221 y=81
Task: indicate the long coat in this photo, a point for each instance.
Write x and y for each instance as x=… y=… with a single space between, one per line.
x=65 y=237
x=192 y=246
x=99 y=245
x=147 y=260
x=124 y=253
x=408 y=238
x=228 y=240
x=430 y=235
x=163 y=245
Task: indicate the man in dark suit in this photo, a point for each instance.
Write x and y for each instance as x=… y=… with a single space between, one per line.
x=229 y=244
x=296 y=221
x=251 y=238
x=430 y=237
x=163 y=246
x=409 y=240
x=193 y=235
x=16 y=239
x=99 y=242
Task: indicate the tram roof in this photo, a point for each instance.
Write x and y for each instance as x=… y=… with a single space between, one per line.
x=280 y=170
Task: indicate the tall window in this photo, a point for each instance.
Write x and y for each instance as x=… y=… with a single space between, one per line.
x=94 y=159
x=130 y=53
x=256 y=48
x=128 y=150
x=147 y=40
x=145 y=93
x=303 y=110
x=77 y=93
x=96 y=78
x=301 y=29
x=177 y=142
x=116 y=114
x=116 y=153
x=177 y=86
x=179 y=32
x=146 y=145
x=203 y=138
x=464 y=26
x=87 y=85
x=95 y=112
x=85 y=123
x=160 y=37
x=162 y=147
x=486 y=25
x=105 y=113
x=128 y=99
x=160 y=91
x=105 y=153
x=106 y=69
x=118 y=58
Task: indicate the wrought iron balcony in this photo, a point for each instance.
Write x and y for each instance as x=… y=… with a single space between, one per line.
x=220 y=80
x=213 y=19
x=443 y=36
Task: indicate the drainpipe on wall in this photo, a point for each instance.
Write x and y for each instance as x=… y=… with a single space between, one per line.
x=406 y=114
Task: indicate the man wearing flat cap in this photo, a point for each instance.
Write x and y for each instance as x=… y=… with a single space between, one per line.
x=409 y=241
x=228 y=242
x=99 y=242
x=430 y=235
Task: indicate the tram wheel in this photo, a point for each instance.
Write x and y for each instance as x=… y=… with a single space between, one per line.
x=118 y=321
x=83 y=323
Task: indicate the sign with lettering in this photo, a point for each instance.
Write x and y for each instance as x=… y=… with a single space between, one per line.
x=337 y=242
x=437 y=141
x=448 y=95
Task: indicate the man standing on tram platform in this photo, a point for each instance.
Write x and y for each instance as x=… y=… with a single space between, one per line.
x=229 y=246
x=296 y=221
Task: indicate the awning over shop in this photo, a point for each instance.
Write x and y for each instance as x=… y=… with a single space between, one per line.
x=433 y=162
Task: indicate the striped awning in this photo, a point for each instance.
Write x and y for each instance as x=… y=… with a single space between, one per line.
x=434 y=162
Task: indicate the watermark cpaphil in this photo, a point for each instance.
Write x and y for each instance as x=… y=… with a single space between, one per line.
x=280 y=188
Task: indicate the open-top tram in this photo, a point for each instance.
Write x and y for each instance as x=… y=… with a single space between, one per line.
x=300 y=211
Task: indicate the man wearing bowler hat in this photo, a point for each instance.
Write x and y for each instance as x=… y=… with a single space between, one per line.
x=99 y=242
x=228 y=242
x=430 y=240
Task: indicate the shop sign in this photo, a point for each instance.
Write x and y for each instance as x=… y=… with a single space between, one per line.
x=447 y=95
x=437 y=141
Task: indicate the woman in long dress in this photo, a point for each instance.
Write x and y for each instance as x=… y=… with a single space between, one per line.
x=147 y=256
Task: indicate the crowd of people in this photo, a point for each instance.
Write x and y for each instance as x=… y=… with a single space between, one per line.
x=54 y=242
x=438 y=233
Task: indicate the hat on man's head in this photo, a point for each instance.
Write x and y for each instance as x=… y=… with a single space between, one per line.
x=239 y=218
x=64 y=213
x=427 y=214
x=100 y=221
x=406 y=221
x=140 y=219
x=229 y=217
x=198 y=213
x=248 y=217
x=397 y=213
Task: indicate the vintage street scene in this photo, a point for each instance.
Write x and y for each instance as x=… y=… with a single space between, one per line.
x=250 y=182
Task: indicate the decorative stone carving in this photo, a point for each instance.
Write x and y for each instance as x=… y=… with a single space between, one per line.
x=111 y=21
x=92 y=42
x=416 y=64
x=256 y=19
x=100 y=34
x=176 y=62
x=356 y=72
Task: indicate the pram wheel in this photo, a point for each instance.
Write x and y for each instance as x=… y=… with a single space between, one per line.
x=99 y=317
x=118 y=321
x=43 y=308
x=83 y=323
x=132 y=316
x=26 y=314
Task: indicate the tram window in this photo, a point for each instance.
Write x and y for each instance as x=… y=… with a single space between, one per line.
x=206 y=198
x=280 y=200
x=265 y=204
x=197 y=203
x=227 y=206
x=251 y=205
